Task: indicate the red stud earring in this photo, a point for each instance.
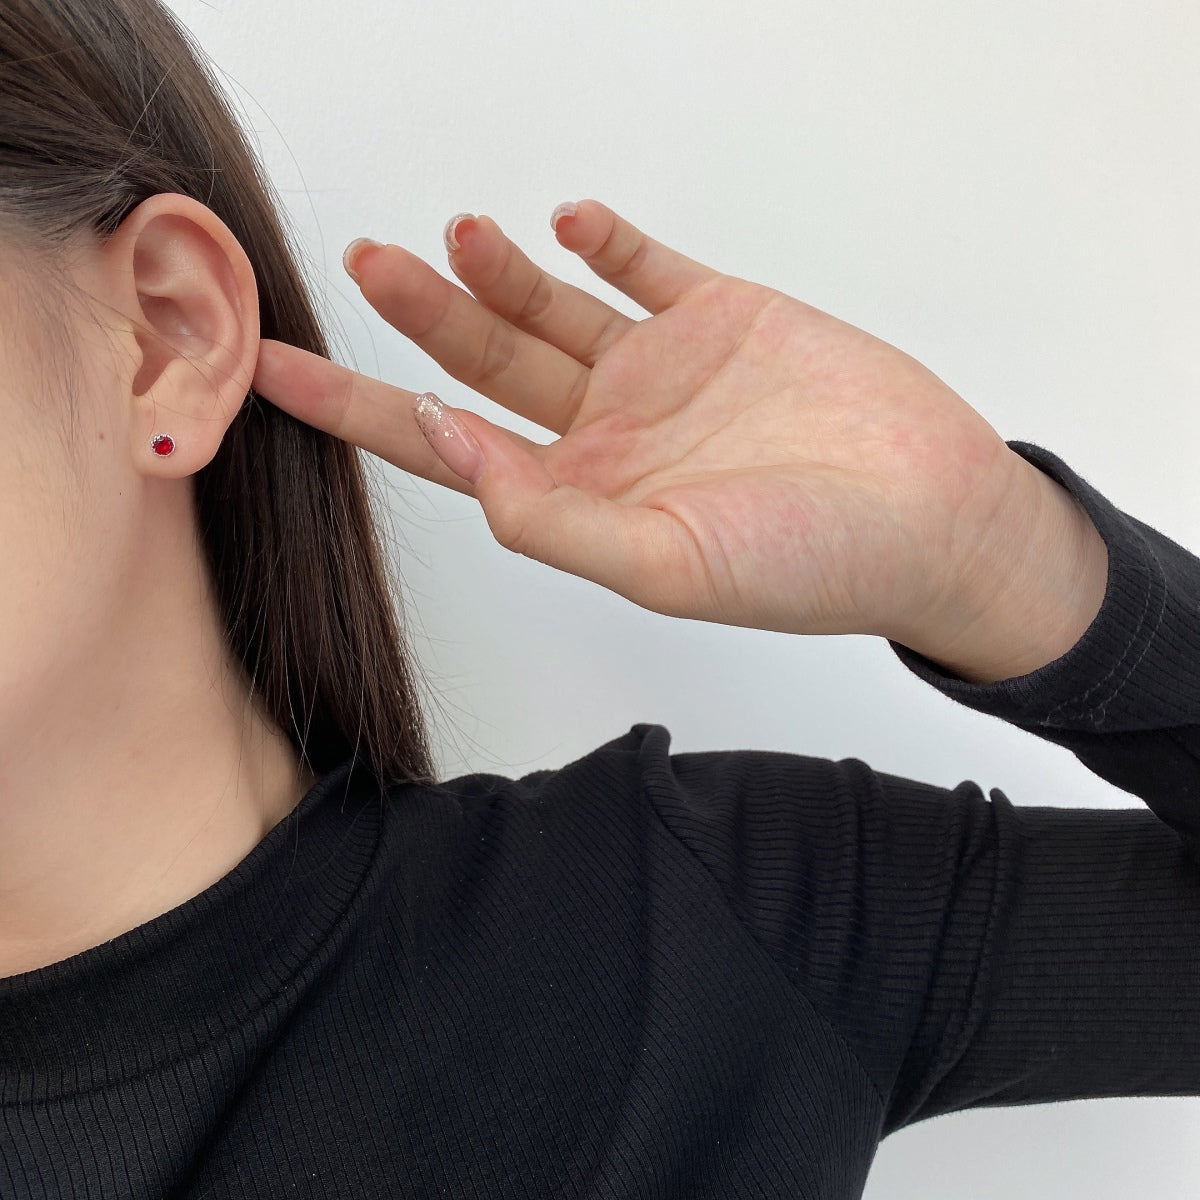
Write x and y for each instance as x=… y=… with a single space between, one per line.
x=163 y=444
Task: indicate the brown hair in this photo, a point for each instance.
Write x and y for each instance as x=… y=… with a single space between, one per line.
x=103 y=104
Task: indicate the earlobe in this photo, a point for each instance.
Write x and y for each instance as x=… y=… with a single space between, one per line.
x=194 y=315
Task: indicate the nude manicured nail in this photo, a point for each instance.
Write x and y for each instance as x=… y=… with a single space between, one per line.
x=563 y=210
x=350 y=256
x=449 y=439
x=448 y=233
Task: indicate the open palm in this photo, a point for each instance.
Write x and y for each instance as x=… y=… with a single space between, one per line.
x=738 y=456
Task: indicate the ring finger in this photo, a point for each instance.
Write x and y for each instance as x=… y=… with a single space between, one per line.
x=525 y=374
x=503 y=278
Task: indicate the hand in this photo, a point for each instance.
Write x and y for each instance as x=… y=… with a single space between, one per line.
x=738 y=456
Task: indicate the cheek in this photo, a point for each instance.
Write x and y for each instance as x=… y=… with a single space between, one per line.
x=68 y=501
x=39 y=598
x=56 y=536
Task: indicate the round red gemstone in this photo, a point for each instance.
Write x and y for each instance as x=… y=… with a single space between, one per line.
x=163 y=444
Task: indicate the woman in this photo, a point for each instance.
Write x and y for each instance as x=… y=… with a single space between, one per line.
x=250 y=946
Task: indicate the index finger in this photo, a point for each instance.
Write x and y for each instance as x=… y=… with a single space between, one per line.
x=355 y=408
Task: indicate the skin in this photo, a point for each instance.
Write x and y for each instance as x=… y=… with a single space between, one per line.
x=735 y=456
x=135 y=770
x=738 y=457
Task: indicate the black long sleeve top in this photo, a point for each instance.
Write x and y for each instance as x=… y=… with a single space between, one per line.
x=646 y=974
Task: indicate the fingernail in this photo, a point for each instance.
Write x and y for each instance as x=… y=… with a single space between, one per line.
x=352 y=252
x=563 y=210
x=450 y=441
x=450 y=230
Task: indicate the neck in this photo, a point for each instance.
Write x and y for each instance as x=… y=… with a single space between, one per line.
x=132 y=779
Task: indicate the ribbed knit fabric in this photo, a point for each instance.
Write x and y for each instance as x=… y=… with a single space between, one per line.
x=644 y=974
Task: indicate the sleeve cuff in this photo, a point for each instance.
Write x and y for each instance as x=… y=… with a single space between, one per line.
x=1137 y=666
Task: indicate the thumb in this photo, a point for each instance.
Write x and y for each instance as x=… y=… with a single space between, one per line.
x=622 y=547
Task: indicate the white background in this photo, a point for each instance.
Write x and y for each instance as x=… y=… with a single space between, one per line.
x=1009 y=192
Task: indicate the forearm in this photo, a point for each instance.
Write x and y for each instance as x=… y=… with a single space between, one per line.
x=1034 y=599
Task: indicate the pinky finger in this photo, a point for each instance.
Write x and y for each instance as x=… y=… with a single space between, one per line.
x=649 y=273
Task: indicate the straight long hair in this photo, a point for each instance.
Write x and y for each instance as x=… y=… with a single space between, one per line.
x=103 y=104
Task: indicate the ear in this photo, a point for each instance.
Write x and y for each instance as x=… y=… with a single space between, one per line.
x=189 y=290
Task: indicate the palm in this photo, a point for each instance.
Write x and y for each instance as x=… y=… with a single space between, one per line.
x=757 y=425
x=738 y=456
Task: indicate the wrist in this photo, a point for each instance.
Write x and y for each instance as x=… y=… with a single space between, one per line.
x=1036 y=587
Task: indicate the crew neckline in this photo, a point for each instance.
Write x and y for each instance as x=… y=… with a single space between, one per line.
x=183 y=979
